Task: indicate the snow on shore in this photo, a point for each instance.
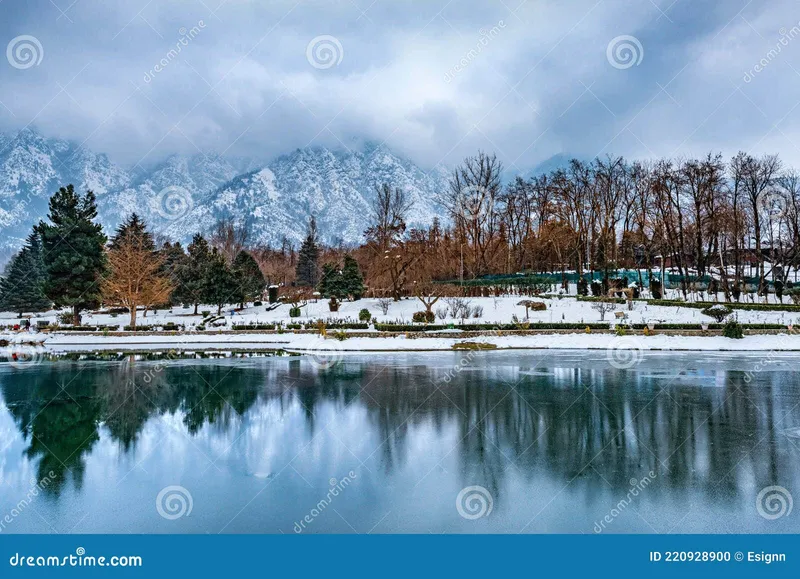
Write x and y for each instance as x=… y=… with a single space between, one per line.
x=315 y=343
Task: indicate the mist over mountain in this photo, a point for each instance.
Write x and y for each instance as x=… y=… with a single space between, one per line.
x=183 y=195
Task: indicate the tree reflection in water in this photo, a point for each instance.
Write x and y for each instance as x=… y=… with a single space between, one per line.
x=708 y=430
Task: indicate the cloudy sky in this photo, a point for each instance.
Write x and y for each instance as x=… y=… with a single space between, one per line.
x=433 y=79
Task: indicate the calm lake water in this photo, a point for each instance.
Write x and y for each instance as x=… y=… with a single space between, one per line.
x=550 y=442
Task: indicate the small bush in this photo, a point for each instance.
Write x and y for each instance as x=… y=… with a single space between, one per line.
x=364 y=315
x=477 y=312
x=718 y=311
x=340 y=335
x=473 y=346
x=294 y=312
x=256 y=304
x=423 y=317
x=383 y=304
x=733 y=329
x=205 y=313
x=441 y=313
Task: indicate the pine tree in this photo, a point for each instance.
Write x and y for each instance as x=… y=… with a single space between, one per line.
x=219 y=282
x=175 y=259
x=135 y=228
x=192 y=273
x=73 y=251
x=352 y=278
x=331 y=283
x=249 y=279
x=22 y=285
x=307 y=270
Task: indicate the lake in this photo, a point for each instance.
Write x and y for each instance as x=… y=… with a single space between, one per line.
x=469 y=442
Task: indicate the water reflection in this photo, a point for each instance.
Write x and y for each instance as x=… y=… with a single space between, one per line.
x=542 y=433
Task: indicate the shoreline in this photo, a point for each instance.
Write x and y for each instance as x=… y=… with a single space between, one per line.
x=315 y=344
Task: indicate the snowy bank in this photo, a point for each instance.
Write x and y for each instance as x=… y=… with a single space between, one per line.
x=315 y=343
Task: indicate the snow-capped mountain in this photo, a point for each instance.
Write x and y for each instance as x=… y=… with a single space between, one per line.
x=33 y=167
x=184 y=195
x=337 y=187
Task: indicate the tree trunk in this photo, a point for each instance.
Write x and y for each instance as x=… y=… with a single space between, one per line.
x=195 y=308
x=76 y=315
x=133 y=316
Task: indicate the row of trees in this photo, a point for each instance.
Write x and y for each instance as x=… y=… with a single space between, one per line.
x=69 y=262
x=697 y=217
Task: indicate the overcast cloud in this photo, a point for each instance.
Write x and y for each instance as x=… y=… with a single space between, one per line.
x=537 y=82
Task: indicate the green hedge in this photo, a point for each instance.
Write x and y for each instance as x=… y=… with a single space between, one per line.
x=489 y=327
x=254 y=327
x=701 y=305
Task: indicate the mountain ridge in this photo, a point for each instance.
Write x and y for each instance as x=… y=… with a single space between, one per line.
x=185 y=194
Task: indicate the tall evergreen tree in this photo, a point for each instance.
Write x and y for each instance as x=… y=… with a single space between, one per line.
x=249 y=279
x=133 y=227
x=307 y=270
x=192 y=274
x=22 y=284
x=331 y=283
x=219 y=282
x=352 y=278
x=73 y=251
x=175 y=259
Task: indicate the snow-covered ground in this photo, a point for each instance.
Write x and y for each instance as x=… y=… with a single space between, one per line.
x=314 y=344
x=494 y=310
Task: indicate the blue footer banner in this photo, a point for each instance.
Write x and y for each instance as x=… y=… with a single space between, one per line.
x=395 y=555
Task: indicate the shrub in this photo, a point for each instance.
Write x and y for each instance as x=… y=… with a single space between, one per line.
x=333 y=305
x=583 y=287
x=473 y=346
x=620 y=331
x=364 y=315
x=733 y=329
x=794 y=293
x=294 y=312
x=477 y=312
x=655 y=288
x=441 y=313
x=718 y=311
x=65 y=318
x=597 y=288
x=423 y=318
x=383 y=304
x=340 y=335
x=256 y=304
